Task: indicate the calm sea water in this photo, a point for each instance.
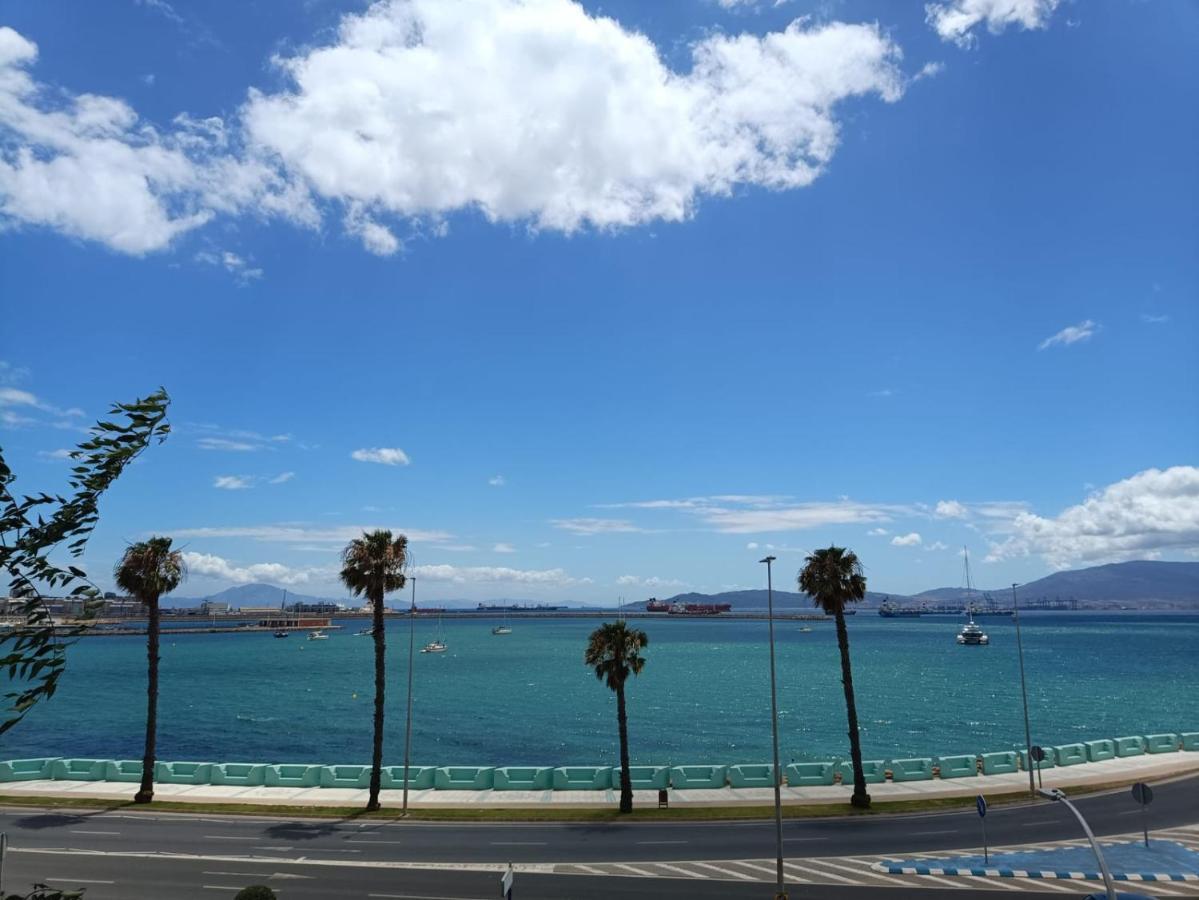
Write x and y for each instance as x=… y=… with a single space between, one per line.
x=527 y=698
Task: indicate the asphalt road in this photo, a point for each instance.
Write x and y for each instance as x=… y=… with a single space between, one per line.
x=121 y=846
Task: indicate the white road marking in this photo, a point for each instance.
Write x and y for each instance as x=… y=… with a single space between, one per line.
x=358 y=841
x=796 y=840
x=80 y=881
x=227 y=837
x=738 y=875
x=942 y=831
x=993 y=882
x=81 y=831
x=421 y=897
x=817 y=873
x=518 y=843
x=634 y=870
x=661 y=842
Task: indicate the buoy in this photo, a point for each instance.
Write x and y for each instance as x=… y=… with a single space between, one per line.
x=354 y=695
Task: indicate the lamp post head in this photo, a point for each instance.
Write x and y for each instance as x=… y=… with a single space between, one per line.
x=768 y=560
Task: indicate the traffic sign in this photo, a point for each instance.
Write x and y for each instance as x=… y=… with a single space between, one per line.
x=506 y=883
x=1142 y=793
x=981 y=802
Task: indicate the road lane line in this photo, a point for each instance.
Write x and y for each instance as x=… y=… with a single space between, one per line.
x=796 y=840
x=661 y=842
x=80 y=880
x=518 y=843
x=228 y=837
x=942 y=831
x=81 y=831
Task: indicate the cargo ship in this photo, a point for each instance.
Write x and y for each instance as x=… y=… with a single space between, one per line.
x=889 y=610
x=518 y=607
x=699 y=609
x=656 y=605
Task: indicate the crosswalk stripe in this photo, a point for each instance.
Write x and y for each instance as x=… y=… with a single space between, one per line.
x=690 y=873
x=636 y=871
x=992 y=882
x=758 y=867
x=817 y=873
x=859 y=871
x=739 y=875
x=590 y=870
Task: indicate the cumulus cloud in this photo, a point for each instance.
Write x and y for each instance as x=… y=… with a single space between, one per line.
x=232 y=482
x=503 y=548
x=950 y=509
x=878 y=532
x=497 y=575
x=1153 y=511
x=386 y=456
x=911 y=539
x=1071 y=334
x=209 y=566
x=587 y=526
x=289 y=533
x=87 y=166
x=497 y=481
x=283 y=478
x=213 y=437
x=537 y=111
x=955 y=21
x=653 y=581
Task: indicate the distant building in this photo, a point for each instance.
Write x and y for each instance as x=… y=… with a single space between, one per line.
x=214 y=608
x=260 y=610
x=322 y=608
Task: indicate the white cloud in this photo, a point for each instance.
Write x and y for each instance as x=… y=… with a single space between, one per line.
x=538 y=112
x=794 y=517
x=235 y=265
x=387 y=456
x=282 y=478
x=503 y=548
x=752 y=545
x=210 y=566
x=1071 y=334
x=950 y=509
x=1154 y=511
x=652 y=581
x=213 y=437
x=1150 y=319
x=955 y=20
x=911 y=539
x=33 y=411
x=497 y=574
x=497 y=481
x=233 y=482
x=594 y=526
x=10 y=374
x=55 y=455
x=376 y=238
x=937 y=545
x=85 y=165
x=878 y=532
x=289 y=533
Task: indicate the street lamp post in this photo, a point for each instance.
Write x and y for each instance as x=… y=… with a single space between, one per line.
x=408 y=721
x=1032 y=788
x=774 y=729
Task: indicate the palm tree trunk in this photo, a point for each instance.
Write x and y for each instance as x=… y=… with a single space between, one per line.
x=626 y=783
x=145 y=792
x=860 y=798
x=380 y=682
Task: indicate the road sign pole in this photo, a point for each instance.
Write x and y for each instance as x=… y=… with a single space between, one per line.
x=981 y=803
x=1143 y=794
x=3 y=851
x=986 y=853
x=1145 y=823
x=506 y=881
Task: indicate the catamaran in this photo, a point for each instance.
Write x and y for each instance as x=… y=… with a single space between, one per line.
x=970 y=633
x=317 y=635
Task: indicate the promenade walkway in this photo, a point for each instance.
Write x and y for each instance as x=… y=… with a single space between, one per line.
x=1113 y=771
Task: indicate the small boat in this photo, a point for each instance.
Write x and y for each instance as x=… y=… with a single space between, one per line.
x=365 y=632
x=972 y=633
x=317 y=635
x=282 y=634
x=502 y=629
x=437 y=646
x=806 y=629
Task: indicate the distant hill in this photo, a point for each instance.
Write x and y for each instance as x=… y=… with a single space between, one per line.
x=250 y=595
x=783 y=600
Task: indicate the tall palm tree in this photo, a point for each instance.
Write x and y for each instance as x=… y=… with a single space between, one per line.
x=372 y=566
x=833 y=578
x=148 y=570
x=614 y=652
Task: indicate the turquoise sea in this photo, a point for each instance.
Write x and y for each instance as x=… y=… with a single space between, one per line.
x=527 y=698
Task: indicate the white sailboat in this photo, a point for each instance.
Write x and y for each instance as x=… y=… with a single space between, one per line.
x=438 y=644
x=971 y=633
x=503 y=627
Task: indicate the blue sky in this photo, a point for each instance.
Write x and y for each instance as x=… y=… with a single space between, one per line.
x=597 y=307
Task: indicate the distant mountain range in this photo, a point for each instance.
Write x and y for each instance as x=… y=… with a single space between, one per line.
x=1143 y=583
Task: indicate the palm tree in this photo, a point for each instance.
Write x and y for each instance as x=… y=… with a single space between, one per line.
x=614 y=652
x=372 y=566
x=148 y=570
x=832 y=578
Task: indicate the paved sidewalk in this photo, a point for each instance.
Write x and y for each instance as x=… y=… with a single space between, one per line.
x=1136 y=768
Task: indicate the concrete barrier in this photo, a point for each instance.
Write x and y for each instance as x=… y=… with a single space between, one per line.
x=182 y=772
x=810 y=774
x=1190 y=740
x=292 y=775
x=918 y=769
x=1001 y=763
x=420 y=778
x=345 y=777
x=698 y=777
x=747 y=775
x=464 y=778
x=524 y=778
x=874 y=771
x=1161 y=743
x=964 y=766
x=27 y=769
x=1133 y=745
x=1070 y=754
x=243 y=774
x=1047 y=763
x=582 y=778
x=644 y=778
x=128 y=770
x=78 y=769
x=1097 y=751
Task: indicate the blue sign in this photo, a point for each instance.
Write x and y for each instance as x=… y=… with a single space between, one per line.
x=981 y=802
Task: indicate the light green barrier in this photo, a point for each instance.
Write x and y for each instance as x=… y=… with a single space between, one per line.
x=582 y=778
x=129 y=770
x=1190 y=740
x=810 y=774
x=27 y=769
x=524 y=778
x=420 y=778
x=874 y=771
x=1001 y=763
x=464 y=778
x=182 y=772
x=1070 y=754
x=644 y=778
x=964 y=766
x=240 y=774
x=920 y=769
x=1132 y=745
x=1097 y=751
x=292 y=775
x=751 y=775
x=78 y=769
x=698 y=777
x=1047 y=763
x=1161 y=743
x=345 y=777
